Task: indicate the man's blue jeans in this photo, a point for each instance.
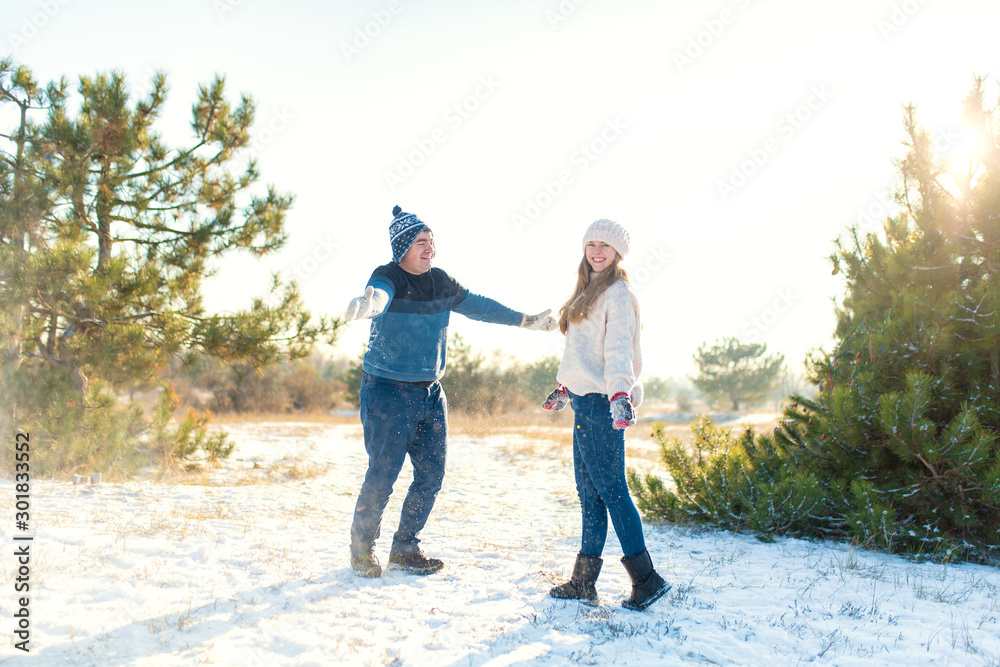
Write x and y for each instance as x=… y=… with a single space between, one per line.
x=599 y=464
x=400 y=418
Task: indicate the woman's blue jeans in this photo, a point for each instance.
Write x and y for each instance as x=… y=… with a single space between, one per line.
x=400 y=419
x=599 y=465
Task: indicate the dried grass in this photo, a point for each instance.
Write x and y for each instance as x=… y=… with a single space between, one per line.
x=319 y=417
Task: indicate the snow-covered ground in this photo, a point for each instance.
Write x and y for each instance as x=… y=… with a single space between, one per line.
x=250 y=567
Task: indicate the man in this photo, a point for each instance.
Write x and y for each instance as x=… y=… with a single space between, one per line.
x=403 y=408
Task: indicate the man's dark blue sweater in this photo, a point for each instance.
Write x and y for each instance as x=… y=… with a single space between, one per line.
x=409 y=340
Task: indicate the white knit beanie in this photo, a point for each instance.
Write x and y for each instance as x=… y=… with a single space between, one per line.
x=611 y=233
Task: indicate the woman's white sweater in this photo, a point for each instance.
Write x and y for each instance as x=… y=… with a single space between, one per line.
x=602 y=353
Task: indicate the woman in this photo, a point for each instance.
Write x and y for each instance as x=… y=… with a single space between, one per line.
x=602 y=359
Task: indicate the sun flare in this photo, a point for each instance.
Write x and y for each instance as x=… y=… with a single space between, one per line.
x=962 y=145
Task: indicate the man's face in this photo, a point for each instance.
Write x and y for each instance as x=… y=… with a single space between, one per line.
x=418 y=258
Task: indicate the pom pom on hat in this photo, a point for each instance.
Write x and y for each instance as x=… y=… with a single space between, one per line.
x=611 y=233
x=403 y=232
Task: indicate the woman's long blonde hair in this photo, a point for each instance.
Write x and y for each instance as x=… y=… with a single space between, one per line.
x=589 y=286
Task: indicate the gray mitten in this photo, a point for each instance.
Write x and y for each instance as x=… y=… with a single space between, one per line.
x=557 y=400
x=539 y=322
x=622 y=413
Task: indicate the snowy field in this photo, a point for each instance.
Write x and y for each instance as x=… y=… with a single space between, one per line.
x=250 y=567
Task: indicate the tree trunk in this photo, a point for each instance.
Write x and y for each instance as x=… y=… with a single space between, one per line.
x=103 y=219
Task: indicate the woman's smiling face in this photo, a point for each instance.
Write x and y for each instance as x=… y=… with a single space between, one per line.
x=599 y=255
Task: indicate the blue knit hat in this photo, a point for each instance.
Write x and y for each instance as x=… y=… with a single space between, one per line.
x=403 y=232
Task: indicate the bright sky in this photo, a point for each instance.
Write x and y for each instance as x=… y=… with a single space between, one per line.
x=735 y=139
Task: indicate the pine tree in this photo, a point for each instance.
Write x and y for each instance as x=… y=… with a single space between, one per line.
x=737 y=482
x=737 y=372
x=25 y=202
x=538 y=378
x=899 y=449
x=106 y=236
x=657 y=388
x=908 y=412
